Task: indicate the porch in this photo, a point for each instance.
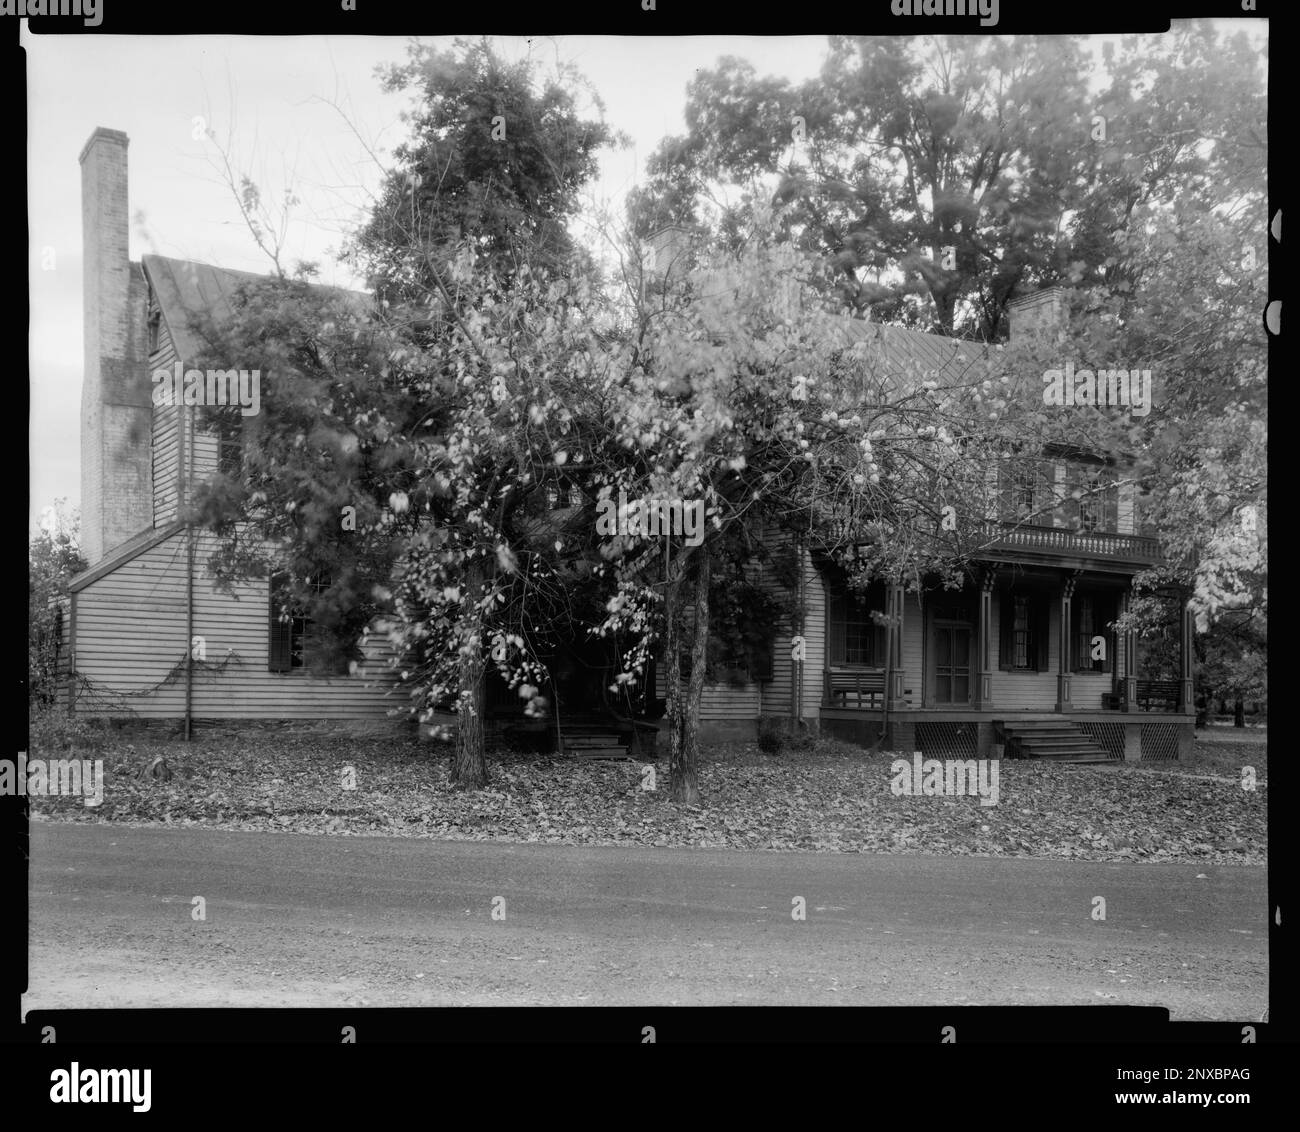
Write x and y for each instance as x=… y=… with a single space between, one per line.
x=1024 y=660
x=1148 y=736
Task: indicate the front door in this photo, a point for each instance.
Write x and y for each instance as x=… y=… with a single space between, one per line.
x=952 y=664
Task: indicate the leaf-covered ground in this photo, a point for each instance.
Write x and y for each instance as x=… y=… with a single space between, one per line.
x=834 y=798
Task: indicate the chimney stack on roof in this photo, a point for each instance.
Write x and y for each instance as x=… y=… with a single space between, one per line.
x=116 y=476
x=1036 y=312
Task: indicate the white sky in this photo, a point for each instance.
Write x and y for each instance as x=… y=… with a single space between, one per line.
x=274 y=93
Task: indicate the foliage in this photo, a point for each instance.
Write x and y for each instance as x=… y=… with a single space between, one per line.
x=494 y=163
x=53 y=558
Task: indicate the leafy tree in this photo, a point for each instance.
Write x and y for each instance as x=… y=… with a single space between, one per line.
x=494 y=164
x=746 y=395
x=53 y=559
x=404 y=444
x=940 y=175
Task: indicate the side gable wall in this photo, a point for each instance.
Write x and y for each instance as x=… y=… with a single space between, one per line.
x=131 y=633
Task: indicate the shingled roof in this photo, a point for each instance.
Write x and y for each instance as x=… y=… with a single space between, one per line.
x=186 y=290
x=913 y=356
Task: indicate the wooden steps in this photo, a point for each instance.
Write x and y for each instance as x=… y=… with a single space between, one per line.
x=1059 y=740
x=594 y=740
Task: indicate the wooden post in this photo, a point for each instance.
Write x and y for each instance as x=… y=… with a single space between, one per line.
x=1063 y=651
x=897 y=681
x=1186 y=695
x=1130 y=659
x=983 y=643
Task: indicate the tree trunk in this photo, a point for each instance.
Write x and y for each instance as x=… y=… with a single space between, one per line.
x=469 y=770
x=674 y=707
x=1238 y=714
x=683 y=762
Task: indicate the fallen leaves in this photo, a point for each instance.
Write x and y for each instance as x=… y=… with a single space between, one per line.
x=815 y=802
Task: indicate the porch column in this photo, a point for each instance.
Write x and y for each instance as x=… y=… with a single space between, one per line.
x=1130 y=642
x=983 y=643
x=897 y=676
x=1186 y=696
x=1063 y=652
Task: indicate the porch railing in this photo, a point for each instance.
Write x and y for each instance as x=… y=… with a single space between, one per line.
x=1054 y=540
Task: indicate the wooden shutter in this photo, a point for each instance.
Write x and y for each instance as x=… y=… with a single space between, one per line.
x=1006 y=635
x=1044 y=493
x=1006 y=490
x=1110 y=517
x=1107 y=606
x=838 y=609
x=279 y=633
x=1070 y=508
x=1076 y=627
x=1039 y=617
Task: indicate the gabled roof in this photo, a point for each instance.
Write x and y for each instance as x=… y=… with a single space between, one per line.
x=124 y=552
x=187 y=290
x=914 y=356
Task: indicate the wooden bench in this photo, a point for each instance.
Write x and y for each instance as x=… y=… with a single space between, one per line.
x=1160 y=692
x=861 y=684
x=1164 y=692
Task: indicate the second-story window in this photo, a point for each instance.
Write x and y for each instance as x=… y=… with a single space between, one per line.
x=1025 y=489
x=1098 y=500
x=229 y=435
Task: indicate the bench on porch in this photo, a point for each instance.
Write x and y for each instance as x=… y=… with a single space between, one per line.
x=1163 y=693
x=1159 y=692
x=861 y=684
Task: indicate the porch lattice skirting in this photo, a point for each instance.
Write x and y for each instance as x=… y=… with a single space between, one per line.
x=1108 y=736
x=1160 y=742
x=948 y=740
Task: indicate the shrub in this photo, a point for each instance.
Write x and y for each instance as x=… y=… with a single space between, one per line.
x=777 y=732
x=55 y=730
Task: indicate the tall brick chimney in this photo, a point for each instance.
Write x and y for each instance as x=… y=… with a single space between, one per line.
x=116 y=397
x=1038 y=311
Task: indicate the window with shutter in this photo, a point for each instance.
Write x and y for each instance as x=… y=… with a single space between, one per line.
x=854 y=636
x=1093 y=505
x=1092 y=613
x=289 y=629
x=1022 y=645
x=1041 y=607
x=279 y=627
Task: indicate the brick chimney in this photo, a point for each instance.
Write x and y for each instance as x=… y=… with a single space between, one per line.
x=1036 y=312
x=670 y=254
x=116 y=399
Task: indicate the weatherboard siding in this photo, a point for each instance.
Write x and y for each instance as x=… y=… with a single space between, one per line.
x=131 y=632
